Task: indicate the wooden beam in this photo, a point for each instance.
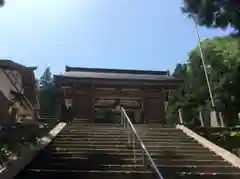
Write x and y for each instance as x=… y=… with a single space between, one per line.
x=165 y=83
x=121 y=95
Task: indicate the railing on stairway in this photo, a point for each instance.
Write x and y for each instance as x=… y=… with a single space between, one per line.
x=133 y=137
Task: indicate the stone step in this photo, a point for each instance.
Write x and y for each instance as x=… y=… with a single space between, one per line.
x=155 y=127
x=93 y=125
x=77 y=165
x=83 y=121
x=124 y=135
x=166 y=155
x=86 y=126
x=70 y=174
x=125 y=139
x=94 y=165
x=129 y=147
x=121 y=151
x=99 y=125
x=80 y=165
x=179 y=175
x=171 y=152
x=136 y=126
x=89 y=128
x=137 y=160
x=113 y=144
x=116 y=142
x=67 y=174
x=100 y=131
x=129 y=153
x=154 y=134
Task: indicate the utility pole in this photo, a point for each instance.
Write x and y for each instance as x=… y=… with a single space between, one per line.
x=204 y=65
x=214 y=121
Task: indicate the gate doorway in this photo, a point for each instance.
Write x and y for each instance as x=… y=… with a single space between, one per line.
x=111 y=116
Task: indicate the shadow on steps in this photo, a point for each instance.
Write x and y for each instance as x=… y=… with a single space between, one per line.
x=173 y=172
x=85 y=161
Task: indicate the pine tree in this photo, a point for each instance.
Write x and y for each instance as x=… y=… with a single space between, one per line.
x=48 y=94
x=46 y=79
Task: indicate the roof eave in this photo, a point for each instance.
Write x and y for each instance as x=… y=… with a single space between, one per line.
x=65 y=78
x=108 y=70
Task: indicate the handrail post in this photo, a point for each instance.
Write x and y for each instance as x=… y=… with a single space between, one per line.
x=143 y=158
x=134 y=152
x=125 y=122
x=122 y=118
x=129 y=134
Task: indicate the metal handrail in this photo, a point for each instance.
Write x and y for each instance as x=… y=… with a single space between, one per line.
x=126 y=126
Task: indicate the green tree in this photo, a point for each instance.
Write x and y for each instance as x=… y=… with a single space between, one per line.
x=182 y=98
x=214 y=13
x=223 y=68
x=48 y=93
x=46 y=79
x=2 y=2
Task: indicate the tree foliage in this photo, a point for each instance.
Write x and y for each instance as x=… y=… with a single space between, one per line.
x=48 y=94
x=2 y=2
x=214 y=13
x=46 y=79
x=222 y=58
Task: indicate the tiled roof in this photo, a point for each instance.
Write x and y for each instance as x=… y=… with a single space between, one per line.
x=116 y=76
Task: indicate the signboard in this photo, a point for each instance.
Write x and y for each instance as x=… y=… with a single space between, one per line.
x=112 y=103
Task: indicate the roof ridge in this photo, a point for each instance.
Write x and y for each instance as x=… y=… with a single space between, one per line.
x=108 y=70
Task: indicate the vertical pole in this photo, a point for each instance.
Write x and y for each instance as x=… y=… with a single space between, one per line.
x=201 y=118
x=134 y=155
x=239 y=117
x=214 y=122
x=129 y=133
x=122 y=118
x=125 y=122
x=143 y=158
x=204 y=65
x=221 y=119
x=180 y=116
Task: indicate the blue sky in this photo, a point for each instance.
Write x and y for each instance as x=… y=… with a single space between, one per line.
x=137 y=34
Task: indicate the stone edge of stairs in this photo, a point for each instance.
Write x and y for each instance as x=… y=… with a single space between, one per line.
x=27 y=154
x=225 y=154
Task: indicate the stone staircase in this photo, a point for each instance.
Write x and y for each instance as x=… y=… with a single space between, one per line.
x=179 y=156
x=89 y=151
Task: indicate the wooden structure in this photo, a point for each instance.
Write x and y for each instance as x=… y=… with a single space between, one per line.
x=144 y=92
x=17 y=90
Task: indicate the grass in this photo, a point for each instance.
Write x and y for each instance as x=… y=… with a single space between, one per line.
x=227 y=138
